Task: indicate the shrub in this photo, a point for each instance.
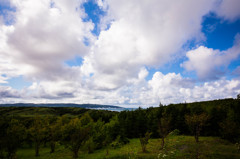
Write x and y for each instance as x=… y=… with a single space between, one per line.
x=174 y=132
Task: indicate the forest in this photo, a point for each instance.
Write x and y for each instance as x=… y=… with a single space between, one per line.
x=185 y=130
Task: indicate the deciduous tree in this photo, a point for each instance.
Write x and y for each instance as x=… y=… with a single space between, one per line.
x=164 y=127
x=144 y=141
x=195 y=123
x=75 y=133
x=37 y=132
x=15 y=136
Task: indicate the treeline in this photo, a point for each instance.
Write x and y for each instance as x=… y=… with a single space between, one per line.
x=219 y=113
x=89 y=130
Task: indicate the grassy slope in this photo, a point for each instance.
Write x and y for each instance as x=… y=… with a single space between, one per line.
x=176 y=147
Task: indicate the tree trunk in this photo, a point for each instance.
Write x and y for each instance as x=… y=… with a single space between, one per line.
x=30 y=144
x=36 y=149
x=90 y=150
x=45 y=143
x=163 y=142
x=144 y=148
x=52 y=144
x=197 y=153
x=75 y=154
x=11 y=155
x=107 y=152
x=196 y=138
x=197 y=133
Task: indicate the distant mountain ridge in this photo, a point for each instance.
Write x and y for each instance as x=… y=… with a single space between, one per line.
x=87 y=106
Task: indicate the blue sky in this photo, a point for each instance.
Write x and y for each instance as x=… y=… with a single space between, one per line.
x=222 y=33
x=94 y=14
x=126 y=53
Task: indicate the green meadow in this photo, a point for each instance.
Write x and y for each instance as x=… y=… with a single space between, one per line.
x=180 y=147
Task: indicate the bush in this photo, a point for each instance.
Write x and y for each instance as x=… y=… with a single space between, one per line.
x=144 y=141
x=119 y=142
x=174 y=132
x=89 y=145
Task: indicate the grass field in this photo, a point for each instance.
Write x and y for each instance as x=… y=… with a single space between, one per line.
x=176 y=147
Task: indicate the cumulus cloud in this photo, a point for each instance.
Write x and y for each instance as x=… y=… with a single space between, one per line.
x=207 y=62
x=173 y=88
x=53 y=90
x=45 y=34
x=142 y=34
x=168 y=88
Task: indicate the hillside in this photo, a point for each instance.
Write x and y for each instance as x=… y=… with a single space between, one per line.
x=142 y=133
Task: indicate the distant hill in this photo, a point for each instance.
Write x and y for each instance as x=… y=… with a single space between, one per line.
x=63 y=105
x=87 y=106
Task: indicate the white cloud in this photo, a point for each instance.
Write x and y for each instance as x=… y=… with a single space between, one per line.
x=44 y=36
x=229 y=9
x=142 y=34
x=169 y=88
x=203 y=61
x=207 y=62
x=3 y=79
x=236 y=72
x=7 y=67
x=8 y=93
x=173 y=88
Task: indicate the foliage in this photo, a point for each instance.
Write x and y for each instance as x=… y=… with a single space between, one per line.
x=89 y=145
x=164 y=127
x=54 y=131
x=179 y=147
x=96 y=130
x=75 y=133
x=37 y=133
x=174 y=132
x=98 y=134
x=117 y=142
x=133 y=124
x=195 y=123
x=238 y=146
x=15 y=137
x=230 y=130
x=111 y=130
x=144 y=141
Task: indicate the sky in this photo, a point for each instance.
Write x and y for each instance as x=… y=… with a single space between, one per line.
x=129 y=53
